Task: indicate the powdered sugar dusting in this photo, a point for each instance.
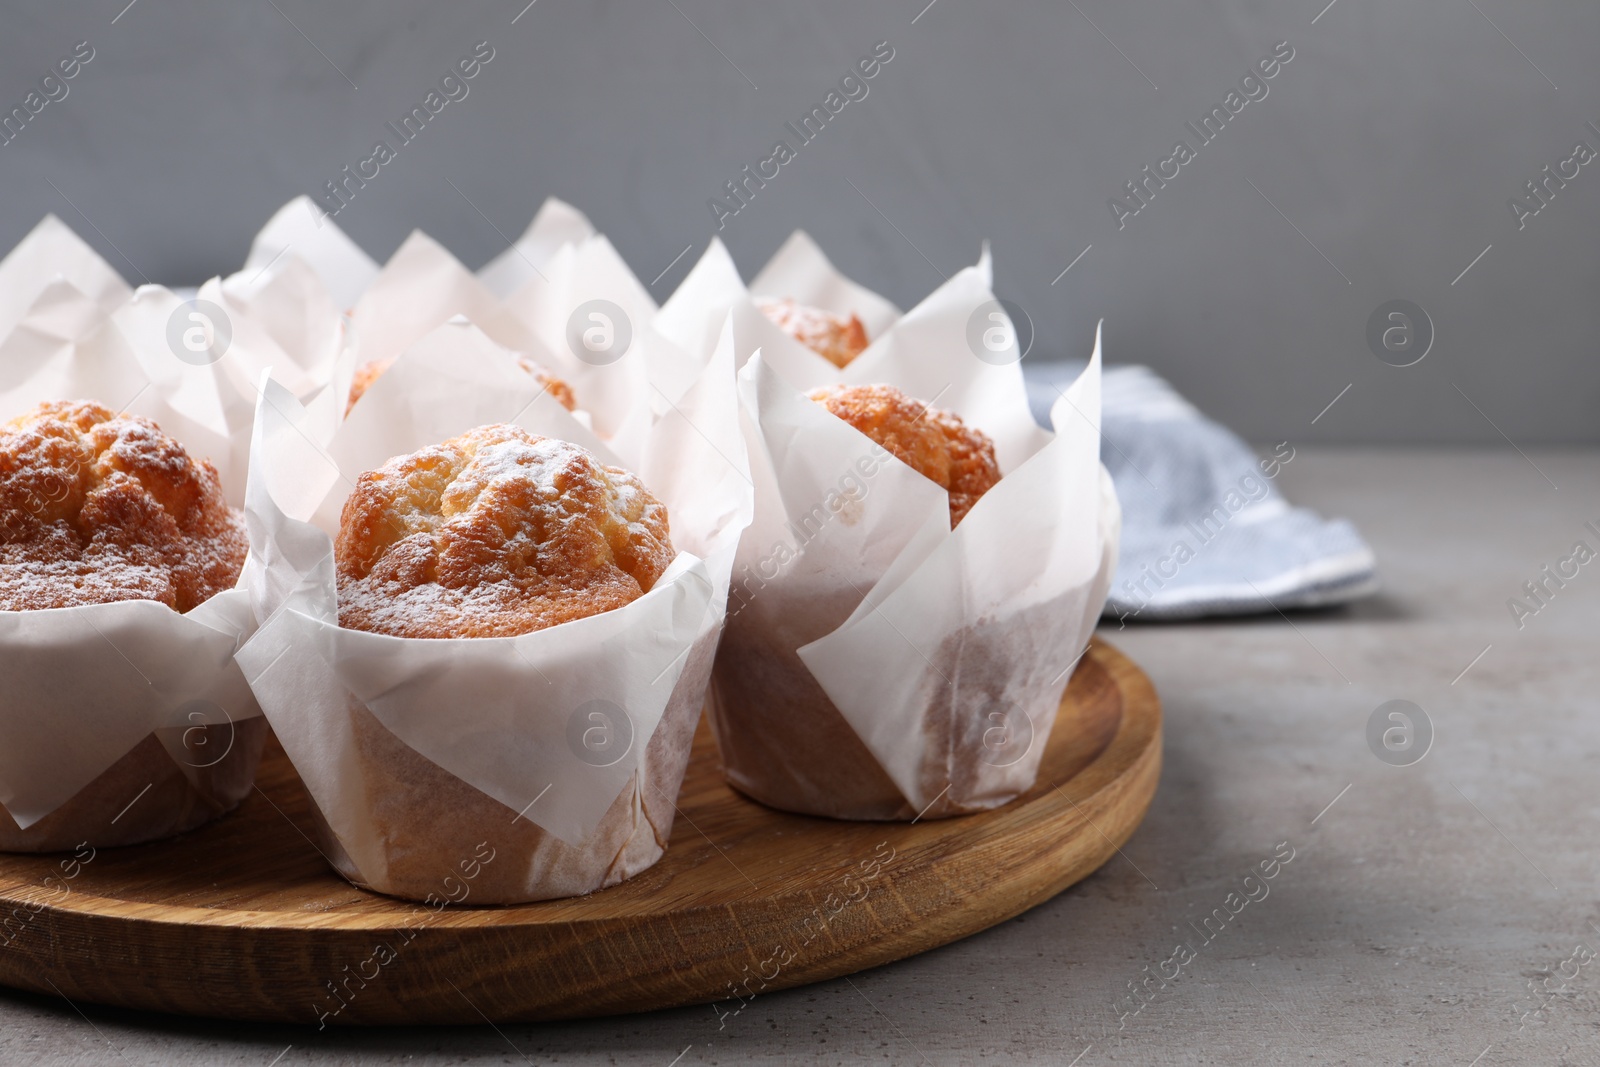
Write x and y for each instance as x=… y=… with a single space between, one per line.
x=492 y=533
x=97 y=508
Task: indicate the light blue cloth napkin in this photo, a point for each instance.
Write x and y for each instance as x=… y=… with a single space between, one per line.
x=1204 y=529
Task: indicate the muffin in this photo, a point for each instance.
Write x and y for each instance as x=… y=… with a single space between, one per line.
x=372 y=370
x=494 y=534
x=782 y=739
x=833 y=337
x=100 y=508
x=936 y=444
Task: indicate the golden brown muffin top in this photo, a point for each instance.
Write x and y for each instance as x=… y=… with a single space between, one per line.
x=373 y=369
x=833 y=337
x=495 y=533
x=934 y=443
x=97 y=507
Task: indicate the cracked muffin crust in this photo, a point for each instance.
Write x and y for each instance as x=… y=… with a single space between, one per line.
x=936 y=444
x=495 y=533
x=833 y=337
x=97 y=507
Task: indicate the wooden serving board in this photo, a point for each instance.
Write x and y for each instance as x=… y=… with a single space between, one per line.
x=243 y=919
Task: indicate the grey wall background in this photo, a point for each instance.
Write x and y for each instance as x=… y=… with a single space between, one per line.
x=1392 y=141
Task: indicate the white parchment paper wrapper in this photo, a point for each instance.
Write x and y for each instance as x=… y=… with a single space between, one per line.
x=877 y=664
x=53 y=253
x=423 y=286
x=122 y=722
x=527 y=299
x=800 y=271
x=557 y=223
x=420 y=288
x=303 y=230
x=286 y=320
x=692 y=318
x=548 y=297
x=570 y=292
x=561 y=751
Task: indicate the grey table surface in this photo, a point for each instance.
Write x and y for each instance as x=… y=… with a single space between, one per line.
x=1436 y=913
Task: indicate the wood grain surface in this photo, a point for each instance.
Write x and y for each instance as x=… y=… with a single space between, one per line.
x=244 y=919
